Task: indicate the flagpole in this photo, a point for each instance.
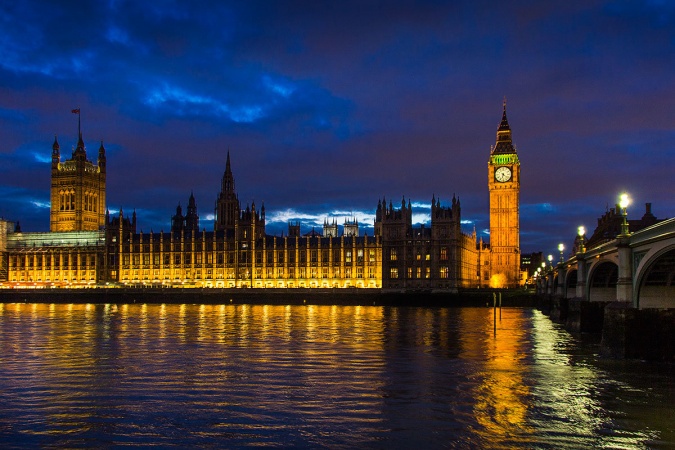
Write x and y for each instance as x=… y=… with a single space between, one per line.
x=79 y=120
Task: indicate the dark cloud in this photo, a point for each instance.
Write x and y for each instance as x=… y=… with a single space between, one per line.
x=328 y=107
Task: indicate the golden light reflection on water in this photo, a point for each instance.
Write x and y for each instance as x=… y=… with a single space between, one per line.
x=300 y=376
x=501 y=398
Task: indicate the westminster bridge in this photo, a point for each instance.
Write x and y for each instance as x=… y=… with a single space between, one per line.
x=623 y=288
x=637 y=268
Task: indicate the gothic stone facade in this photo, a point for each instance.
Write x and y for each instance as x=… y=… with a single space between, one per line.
x=87 y=247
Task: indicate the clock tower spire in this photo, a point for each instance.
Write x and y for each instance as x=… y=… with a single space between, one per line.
x=504 y=188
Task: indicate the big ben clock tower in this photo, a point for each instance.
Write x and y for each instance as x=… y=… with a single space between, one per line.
x=504 y=187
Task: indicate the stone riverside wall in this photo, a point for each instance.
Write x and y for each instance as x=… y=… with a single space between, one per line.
x=477 y=297
x=626 y=332
x=638 y=333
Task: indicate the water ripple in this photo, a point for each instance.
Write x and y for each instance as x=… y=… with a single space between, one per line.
x=316 y=376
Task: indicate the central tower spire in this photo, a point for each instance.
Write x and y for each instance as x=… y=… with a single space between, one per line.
x=227 y=203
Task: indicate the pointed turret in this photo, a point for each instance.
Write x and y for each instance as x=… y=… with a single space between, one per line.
x=80 y=153
x=101 y=157
x=504 y=124
x=56 y=153
x=227 y=203
x=191 y=217
x=227 y=184
x=504 y=143
x=178 y=221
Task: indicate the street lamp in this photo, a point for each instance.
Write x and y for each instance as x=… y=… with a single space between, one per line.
x=550 y=260
x=581 y=231
x=624 y=201
x=561 y=247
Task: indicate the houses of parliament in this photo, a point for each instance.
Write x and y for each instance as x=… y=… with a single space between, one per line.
x=88 y=247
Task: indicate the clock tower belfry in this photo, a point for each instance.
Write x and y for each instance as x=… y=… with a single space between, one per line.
x=504 y=188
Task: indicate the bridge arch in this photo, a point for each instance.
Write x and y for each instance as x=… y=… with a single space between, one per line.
x=603 y=276
x=570 y=290
x=655 y=279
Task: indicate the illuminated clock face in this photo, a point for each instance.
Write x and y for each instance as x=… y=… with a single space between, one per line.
x=503 y=174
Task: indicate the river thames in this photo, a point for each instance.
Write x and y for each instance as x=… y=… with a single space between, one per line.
x=234 y=376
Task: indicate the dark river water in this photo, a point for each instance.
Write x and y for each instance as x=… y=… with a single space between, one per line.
x=231 y=376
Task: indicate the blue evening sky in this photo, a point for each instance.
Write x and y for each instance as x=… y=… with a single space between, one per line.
x=326 y=107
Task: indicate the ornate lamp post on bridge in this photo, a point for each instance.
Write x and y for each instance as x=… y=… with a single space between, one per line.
x=581 y=265
x=581 y=231
x=624 y=201
x=548 y=277
x=624 y=284
x=561 y=270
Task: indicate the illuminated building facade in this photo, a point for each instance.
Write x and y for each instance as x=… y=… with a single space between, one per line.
x=504 y=188
x=89 y=248
x=78 y=190
x=238 y=253
x=436 y=257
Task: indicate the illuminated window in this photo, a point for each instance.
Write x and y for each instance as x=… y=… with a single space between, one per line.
x=393 y=273
x=444 y=272
x=393 y=256
x=444 y=253
x=348 y=256
x=359 y=256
